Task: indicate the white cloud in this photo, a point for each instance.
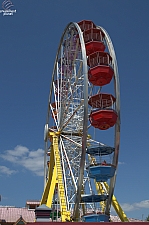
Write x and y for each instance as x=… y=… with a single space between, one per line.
x=142 y=204
x=6 y=170
x=121 y=163
x=127 y=207
x=18 y=151
x=31 y=160
x=135 y=206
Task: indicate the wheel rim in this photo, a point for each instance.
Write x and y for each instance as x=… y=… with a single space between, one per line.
x=70 y=91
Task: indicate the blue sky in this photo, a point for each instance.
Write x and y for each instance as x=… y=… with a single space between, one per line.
x=28 y=43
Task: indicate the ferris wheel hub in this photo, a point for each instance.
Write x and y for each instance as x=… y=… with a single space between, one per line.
x=46 y=130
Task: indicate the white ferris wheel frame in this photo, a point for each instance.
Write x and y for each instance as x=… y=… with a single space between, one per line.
x=85 y=116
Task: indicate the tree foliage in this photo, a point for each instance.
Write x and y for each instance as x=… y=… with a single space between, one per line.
x=147 y=218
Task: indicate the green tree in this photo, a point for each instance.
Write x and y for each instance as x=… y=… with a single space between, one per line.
x=147 y=218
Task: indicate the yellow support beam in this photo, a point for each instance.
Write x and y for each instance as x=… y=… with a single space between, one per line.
x=115 y=203
x=52 y=188
x=100 y=191
x=65 y=214
x=98 y=185
x=117 y=206
x=55 y=176
x=47 y=196
x=48 y=193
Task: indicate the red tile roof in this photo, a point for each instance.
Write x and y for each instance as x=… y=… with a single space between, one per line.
x=12 y=214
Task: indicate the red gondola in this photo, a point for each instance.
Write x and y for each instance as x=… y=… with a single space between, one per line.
x=54 y=105
x=94 y=40
x=103 y=119
x=101 y=71
x=101 y=100
x=86 y=24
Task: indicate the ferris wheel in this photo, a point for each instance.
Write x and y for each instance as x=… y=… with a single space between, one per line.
x=83 y=108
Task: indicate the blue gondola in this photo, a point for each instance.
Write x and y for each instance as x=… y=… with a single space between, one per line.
x=96 y=218
x=100 y=150
x=93 y=198
x=101 y=173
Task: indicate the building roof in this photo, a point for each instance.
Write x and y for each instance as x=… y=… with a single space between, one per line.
x=117 y=219
x=32 y=202
x=12 y=214
x=20 y=221
x=90 y=223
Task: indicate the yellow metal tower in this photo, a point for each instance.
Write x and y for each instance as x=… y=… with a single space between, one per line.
x=55 y=176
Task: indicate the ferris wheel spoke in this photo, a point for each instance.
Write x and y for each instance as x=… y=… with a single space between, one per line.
x=72 y=198
x=76 y=51
x=54 y=90
x=74 y=142
x=70 y=46
x=72 y=115
x=68 y=163
x=89 y=126
x=71 y=160
x=70 y=95
x=54 y=117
